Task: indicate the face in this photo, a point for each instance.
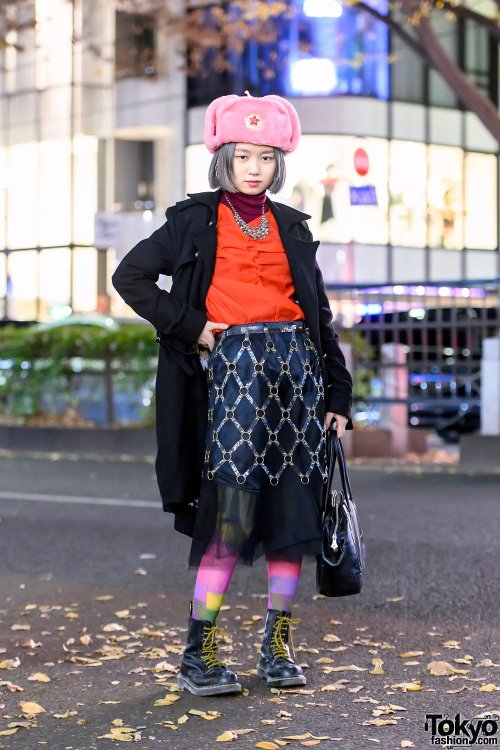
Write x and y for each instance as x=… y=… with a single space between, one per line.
x=253 y=168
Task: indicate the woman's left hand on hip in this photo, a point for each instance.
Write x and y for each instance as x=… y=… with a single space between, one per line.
x=339 y=419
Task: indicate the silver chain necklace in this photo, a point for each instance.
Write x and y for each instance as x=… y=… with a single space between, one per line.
x=256 y=233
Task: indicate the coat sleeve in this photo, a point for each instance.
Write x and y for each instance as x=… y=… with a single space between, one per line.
x=135 y=281
x=338 y=391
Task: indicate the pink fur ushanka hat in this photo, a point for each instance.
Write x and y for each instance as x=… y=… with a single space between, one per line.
x=264 y=121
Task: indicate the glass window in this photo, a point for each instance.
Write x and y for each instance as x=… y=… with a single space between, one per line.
x=3 y=283
x=22 y=284
x=342 y=182
x=55 y=282
x=440 y=92
x=84 y=188
x=84 y=279
x=481 y=201
x=314 y=48
x=407 y=73
x=54 y=20
x=445 y=196
x=477 y=55
x=55 y=195
x=407 y=185
x=135 y=55
x=4 y=184
x=23 y=204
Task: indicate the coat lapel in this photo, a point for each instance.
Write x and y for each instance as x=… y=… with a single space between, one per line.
x=301 y=254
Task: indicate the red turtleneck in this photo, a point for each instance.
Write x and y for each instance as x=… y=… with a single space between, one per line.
x=249 y=207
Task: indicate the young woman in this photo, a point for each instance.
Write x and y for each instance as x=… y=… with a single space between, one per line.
x=250 y=377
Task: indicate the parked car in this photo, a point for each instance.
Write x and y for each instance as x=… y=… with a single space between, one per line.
x=444 y=402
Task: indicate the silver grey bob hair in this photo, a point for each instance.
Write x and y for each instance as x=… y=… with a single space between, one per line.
x=221 y=168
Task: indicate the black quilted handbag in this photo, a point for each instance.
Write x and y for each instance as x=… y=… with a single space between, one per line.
x=341 y=565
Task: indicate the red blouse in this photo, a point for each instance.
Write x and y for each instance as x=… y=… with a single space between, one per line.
x=251 y=282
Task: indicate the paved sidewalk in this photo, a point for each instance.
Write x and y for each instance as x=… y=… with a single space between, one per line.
x=94 y=597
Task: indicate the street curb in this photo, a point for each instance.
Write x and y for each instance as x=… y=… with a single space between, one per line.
x=354 y=465
x=133 y=441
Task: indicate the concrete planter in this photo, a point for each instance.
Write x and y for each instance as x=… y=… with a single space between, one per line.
x=134 y=441
x=378 y=442
x=141 y=441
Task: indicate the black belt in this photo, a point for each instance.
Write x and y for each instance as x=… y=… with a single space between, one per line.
x=281 y=326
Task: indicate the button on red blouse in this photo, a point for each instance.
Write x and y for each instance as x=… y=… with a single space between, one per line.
x=251 y=280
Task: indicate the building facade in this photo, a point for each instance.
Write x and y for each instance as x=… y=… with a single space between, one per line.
x=101 y=131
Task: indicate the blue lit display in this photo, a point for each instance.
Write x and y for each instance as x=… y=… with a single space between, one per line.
x=316 y=48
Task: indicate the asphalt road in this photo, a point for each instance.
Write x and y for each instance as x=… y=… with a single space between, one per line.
x=94 y=590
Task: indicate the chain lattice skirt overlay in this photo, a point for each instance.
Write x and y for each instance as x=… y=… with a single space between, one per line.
x=265 y=446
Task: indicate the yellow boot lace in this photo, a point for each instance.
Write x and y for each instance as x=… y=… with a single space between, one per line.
x=278 y=644
x=209 y=646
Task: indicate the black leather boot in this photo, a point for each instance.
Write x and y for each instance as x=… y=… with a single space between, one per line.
x=202 y=673
x=276 y=665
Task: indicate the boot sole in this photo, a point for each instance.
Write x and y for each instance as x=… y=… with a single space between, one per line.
x=281 y=681
x=185 y=684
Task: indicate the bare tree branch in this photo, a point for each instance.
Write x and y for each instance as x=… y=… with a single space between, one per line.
x=394 y=25
x=469 y=94
x=461 y=11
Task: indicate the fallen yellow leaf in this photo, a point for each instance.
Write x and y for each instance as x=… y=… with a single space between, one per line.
x=310 y=743
x=411 y=654
x=6 y=732
x=441 y=668
x=183 y=719
x=112 y=627
x=489 y=688
x=408 y=686
x=29 y=707
x=380 y=722
x=21 y=626
x=39 y=677
x=208 y=715
x=104 y=598
x=487 y=663
x=11 y=687
x=10 y=663
x=406 y=743
x=121 y=734
x=167 y=700
x=65 y=715
x=331 y=638
x=268 y=746
x=297 y=736
x=377 y=667
x=227 y=737
x=85 y=639
x=452 y=644
x=350 y=668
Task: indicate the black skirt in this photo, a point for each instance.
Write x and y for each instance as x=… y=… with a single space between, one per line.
x=265 y=446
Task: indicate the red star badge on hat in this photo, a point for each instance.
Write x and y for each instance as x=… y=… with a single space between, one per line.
x=254 y=121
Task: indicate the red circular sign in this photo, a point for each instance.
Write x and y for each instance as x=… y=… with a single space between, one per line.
x=361 y=162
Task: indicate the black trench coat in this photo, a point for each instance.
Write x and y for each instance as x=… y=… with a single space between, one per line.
x=185 y=248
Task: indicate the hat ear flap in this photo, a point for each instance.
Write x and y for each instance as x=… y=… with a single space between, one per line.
x=209 y=129
x=295 y=127
x=210 y=134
